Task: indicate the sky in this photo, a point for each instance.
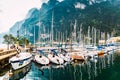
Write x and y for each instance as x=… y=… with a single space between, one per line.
x=12 y=11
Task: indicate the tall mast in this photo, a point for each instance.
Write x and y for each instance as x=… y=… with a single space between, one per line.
x=95 y=37
x=52 y=28
x=63 y=38
x=88 y=35
x=34 y=35
x=74 y=33
x=18 y=36
x=25 y=36
x=39 y=33
x=71 y=36
x=66 y=35
x=80 y=35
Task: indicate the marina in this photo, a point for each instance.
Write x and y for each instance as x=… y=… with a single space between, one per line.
x=73 y=70
x=60 y=40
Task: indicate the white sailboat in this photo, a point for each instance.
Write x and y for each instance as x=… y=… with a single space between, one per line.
x=52 y=55
x=54 y=58
x=41 y=59
x=64 y=55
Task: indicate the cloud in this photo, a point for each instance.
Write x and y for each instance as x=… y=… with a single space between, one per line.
x=1 y=11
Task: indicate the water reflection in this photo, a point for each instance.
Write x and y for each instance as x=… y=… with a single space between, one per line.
x=18 y=74
x=88 y=70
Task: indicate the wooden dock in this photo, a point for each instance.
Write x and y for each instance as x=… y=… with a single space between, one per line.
x=5 y=55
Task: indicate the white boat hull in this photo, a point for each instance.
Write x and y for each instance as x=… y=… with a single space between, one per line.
x=65 y=57
x=42 y=60
x=55 y=59
x=21 y=61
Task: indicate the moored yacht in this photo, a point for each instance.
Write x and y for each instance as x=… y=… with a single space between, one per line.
x=54 y=58
x=64 y=55
x=77 y=56
x=20 y=60
x=41 y=59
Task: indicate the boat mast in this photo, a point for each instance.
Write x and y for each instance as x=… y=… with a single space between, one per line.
x=25 y=36
x=74 y=33
x=88 y=35
x=39 y=33
x=34 y=35
x=63 y=39
x=18 y=36
x=80 y=35
x=92 y=36
x=71 y=36
x=95 y=37
x=52 y=28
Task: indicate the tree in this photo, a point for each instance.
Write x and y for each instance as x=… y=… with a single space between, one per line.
x=8 y=39
x=23 y=41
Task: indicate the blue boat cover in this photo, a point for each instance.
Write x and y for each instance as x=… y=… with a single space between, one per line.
x=40 y=51
x=99 y=47
x=54 y=52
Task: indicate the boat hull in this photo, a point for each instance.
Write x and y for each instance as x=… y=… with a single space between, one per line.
x=21 y=61
x=66 y=57
x=41 y=60
x=55 y=59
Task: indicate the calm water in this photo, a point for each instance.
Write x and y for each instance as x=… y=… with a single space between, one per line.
x=106 y=68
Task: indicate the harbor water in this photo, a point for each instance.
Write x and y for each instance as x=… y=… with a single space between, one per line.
x=105 y=67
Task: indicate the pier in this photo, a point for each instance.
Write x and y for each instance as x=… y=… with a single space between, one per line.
x=5 y=55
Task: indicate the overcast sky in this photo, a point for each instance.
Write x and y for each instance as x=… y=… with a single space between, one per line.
x=12 y=11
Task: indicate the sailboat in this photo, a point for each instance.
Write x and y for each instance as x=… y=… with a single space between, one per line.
x=21 y=59
x=54 y=58
x=64 y=55
x=75 y=54
x=41 y=59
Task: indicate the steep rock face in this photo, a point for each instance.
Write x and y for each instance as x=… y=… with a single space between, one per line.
x=101 y=14
x=16 y=26
x=31 y=12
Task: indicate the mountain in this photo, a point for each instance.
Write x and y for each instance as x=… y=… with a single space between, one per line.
x=13 y=30
x=104 y=15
